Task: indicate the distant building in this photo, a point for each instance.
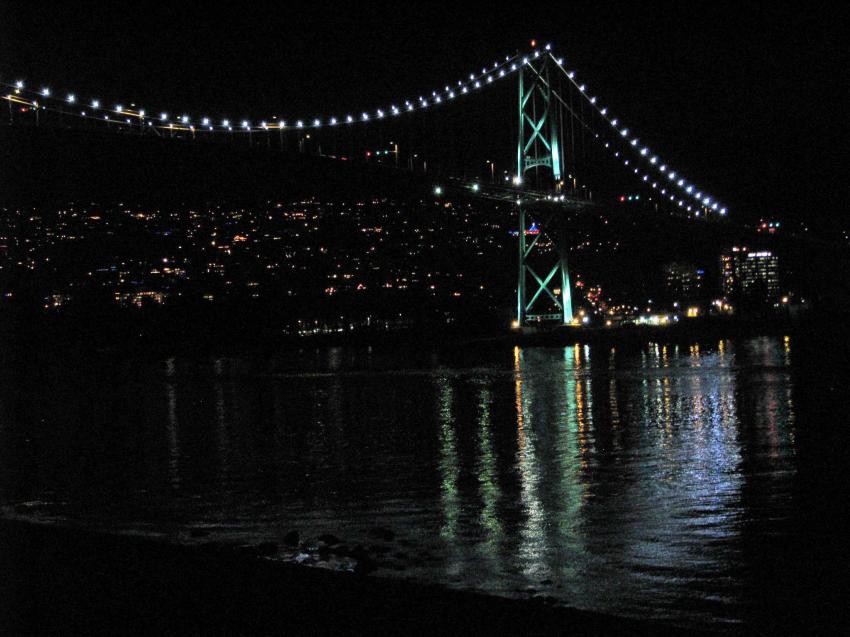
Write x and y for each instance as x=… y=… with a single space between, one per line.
x=684 y=282
x=750 y=278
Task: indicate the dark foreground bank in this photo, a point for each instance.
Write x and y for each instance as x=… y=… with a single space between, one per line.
x=55 y=580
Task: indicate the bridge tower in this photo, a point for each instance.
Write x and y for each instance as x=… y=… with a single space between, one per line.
x=548 y=297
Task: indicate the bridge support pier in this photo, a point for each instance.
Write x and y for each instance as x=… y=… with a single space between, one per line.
x=550 y=297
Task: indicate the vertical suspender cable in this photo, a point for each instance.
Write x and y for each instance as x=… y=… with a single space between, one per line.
x=561 y=124
x=572 y=134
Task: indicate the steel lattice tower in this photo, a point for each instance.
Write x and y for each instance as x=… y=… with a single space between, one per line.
x=538 y=148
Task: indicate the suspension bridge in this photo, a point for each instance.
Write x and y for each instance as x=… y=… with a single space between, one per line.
x=553 y=110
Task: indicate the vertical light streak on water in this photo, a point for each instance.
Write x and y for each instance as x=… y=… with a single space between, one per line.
x=614 y=411
x=785 y=424
x=221 y=419
x=666 y=407
x=663 y=406
x=337 y=458
x=613 y=400
x=768 y=407
x=646 y=415
x=699 y=405
x=774 y=404
x=583 y=407
x=334 y=358
x=488 y=485
x=578 y=404
x=172 y=425
x=333 y=439
x=654 y=355
x=520 y=419
x=571 y=489
x=532 y=537
x=449 y=473
x=790 y=419
x=710 y=451
x=726 y=362
x=694 y=351
x=713 y=455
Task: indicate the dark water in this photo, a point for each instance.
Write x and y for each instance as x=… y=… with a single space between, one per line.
x=663 y=481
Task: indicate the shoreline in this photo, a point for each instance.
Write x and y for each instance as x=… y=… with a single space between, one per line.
x=149 y=341
x=59 y=579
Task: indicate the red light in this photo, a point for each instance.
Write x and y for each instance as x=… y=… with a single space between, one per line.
x=622 y=198
x=368 y=153
x=533 y=43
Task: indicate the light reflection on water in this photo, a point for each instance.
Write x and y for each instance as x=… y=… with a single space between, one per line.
x=614 y=481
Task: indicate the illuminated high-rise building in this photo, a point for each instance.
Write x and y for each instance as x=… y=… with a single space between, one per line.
x=684 y=282
x=750 y=277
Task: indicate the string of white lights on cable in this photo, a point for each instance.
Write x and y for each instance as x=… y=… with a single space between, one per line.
x=474 y=82
x=469 y=85
x=703 y=199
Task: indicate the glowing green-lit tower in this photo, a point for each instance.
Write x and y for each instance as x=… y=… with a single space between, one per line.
x=539 y=157
x=538 y=123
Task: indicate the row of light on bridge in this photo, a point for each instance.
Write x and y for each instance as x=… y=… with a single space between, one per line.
x=475 y=81
x=703 y=200
x=476 y=187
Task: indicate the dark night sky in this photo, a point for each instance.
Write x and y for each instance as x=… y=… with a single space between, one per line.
x=749 y=102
